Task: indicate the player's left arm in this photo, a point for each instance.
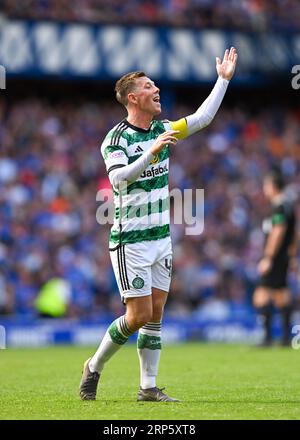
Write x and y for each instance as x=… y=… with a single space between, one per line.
x=273 y=243
x=206 y=112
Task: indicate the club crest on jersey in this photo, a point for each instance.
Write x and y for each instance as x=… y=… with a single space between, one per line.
x=138 y=282
x=155 y=171
x=155 y=160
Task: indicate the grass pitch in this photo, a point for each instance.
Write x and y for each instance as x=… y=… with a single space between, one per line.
x=213 y=382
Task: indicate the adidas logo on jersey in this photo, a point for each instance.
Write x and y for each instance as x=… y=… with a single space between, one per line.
x=139 y=149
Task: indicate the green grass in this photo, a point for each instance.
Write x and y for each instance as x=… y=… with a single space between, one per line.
x=212 y=381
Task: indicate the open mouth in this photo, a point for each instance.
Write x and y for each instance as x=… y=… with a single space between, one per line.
x=156 y=99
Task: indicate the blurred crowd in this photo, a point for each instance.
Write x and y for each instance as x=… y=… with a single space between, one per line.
x=242 y=14
x=51 y=170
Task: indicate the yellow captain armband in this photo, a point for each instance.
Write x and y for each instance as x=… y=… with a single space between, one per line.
x=181 y=126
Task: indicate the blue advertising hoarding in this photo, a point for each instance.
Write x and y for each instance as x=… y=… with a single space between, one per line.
x=170 y=54
x=33 y=332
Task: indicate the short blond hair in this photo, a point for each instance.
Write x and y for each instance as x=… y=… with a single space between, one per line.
x=126 y=85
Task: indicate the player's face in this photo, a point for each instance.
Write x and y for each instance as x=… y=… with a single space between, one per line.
x=146 y=96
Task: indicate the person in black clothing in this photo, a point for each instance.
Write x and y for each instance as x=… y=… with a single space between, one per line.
x=279 y=255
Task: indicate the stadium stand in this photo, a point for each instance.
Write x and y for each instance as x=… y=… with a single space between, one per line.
x=256 y=15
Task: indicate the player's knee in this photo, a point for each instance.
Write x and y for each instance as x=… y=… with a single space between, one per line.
x=258 y=302
x=143 y=317
x=282 y=303
x=260 y=298
x=139 y=319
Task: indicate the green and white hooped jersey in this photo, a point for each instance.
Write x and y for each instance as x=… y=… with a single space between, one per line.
x=142 y=207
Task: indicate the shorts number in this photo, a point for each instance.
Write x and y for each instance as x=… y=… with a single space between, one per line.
x=168 y=264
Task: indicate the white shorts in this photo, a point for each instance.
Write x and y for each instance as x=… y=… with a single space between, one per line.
x=140 y=266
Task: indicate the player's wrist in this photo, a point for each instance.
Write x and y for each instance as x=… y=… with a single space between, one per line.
x=154 y=150
x=223 y=79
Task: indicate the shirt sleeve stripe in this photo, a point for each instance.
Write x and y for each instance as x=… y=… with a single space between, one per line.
x=114 y=167
x=278 y=219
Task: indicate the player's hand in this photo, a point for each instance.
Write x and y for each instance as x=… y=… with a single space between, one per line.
x=264 y=266
x=226 y=67
x=168 y=137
